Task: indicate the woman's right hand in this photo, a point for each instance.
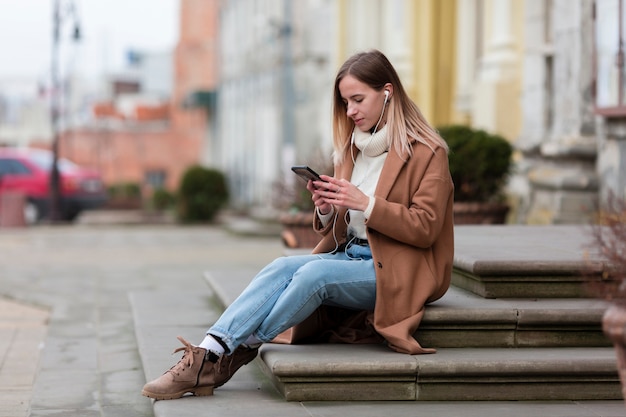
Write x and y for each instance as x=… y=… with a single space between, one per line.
x=319 y=201
x=337 y=193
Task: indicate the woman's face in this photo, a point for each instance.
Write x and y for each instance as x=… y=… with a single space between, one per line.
x=364 y=105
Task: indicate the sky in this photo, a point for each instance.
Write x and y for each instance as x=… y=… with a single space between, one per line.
x=109 y=28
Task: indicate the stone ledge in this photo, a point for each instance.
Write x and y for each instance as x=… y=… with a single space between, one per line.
x=373 y=372
x=505 y=349
x=463 y=319
x=501 y=261
x=522 y=286
x=525 y=261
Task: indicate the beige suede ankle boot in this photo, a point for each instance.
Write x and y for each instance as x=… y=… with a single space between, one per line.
x=227 y=365
x=184 y=377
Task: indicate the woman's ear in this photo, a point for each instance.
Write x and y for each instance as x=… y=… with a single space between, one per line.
x=388 y=90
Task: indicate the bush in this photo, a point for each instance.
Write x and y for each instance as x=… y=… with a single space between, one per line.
x=125 y=190
x=202 y=193
x=124 y=196
x=163 y=199
x=480 y=163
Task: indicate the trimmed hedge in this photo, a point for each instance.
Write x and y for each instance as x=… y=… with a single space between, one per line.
x=202 y=193
x=162 y=199
x=480 y=163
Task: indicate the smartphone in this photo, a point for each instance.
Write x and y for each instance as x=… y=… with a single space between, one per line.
x=306 y=173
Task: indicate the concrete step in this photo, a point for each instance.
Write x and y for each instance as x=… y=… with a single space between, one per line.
x=519 y=261
x=465 y=320
x=373 y=372
x=159 y=318
x=513 y=349
x=501 y=261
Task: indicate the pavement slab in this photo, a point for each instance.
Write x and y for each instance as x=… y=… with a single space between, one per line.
x=23 y=330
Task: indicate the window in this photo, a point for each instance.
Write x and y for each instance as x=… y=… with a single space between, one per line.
x=155 y=179
x=12 y=167
x=610 y=80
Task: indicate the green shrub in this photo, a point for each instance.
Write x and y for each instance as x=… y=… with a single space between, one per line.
x=480 y=163
x=163 y=199
x=202 y=193
x=125 y=190
x=124 y=196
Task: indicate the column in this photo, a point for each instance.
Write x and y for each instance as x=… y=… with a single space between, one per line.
x=496 y=106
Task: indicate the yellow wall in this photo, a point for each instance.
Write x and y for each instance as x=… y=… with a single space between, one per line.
x=431 y=43
x=340 y=43
x=434 y=58
x=497 y=101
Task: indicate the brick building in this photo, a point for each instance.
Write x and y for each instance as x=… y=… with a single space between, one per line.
x=138 y=136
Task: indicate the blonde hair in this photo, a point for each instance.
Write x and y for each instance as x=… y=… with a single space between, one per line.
x=404 y=119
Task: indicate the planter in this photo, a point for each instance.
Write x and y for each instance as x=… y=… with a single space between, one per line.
x=614 y=327
x=298 y=230
x=123 y=203
x=480 y=213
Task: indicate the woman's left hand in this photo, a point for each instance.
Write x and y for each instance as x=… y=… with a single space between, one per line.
x=341 y=193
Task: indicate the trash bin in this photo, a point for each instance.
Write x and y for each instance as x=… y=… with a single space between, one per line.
x=12 y=209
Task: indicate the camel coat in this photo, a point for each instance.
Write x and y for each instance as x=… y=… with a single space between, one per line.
x=410 y=232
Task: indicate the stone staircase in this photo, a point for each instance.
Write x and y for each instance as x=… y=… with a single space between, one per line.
x=514 y=326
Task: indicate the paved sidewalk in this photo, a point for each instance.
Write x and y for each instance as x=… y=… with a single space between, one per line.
x=22 y=333
x=84 y=274
x=90 y=365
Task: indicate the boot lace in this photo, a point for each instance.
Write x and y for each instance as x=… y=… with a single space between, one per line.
x=187 y=360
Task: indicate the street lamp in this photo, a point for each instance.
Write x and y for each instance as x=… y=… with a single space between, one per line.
x=285 y=32
x=289 y=101
x=58 y=15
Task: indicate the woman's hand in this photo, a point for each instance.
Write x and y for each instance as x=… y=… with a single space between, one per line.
x=321 y=204
x=336 y=192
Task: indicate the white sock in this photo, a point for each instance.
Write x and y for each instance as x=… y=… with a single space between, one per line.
x=252 y=341
x=209 y=343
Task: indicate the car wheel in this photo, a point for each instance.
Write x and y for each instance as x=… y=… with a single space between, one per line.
x=32 y=213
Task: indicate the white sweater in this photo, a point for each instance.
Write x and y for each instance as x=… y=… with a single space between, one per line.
x=367 y=168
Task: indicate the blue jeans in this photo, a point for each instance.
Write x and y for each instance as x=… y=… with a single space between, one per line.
x=291 y=288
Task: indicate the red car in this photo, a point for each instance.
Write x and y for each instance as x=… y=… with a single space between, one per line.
x=27 y=171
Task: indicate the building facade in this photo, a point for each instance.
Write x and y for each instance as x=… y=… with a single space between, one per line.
x=152 y=121
x=274 y=92
x=548 y=76
x=252 y=92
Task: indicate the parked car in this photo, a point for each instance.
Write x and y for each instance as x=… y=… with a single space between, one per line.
x=27 y=171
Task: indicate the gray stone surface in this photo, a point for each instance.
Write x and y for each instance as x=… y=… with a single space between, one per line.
x=85 y=274
x=498 y=261
x=524 y=250
x=459 y=320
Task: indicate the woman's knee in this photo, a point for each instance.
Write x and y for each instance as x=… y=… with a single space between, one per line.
x=274 y=268
x=310 y=281
x=312 y=272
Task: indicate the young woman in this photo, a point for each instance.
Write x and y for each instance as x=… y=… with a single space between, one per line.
x=387 y=247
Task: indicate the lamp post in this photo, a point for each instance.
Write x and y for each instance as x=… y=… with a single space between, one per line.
x=55 y=102
x=289 y=101
x=285 y=32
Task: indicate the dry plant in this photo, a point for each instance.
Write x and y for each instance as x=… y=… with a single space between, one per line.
x=609 y=237
x=290 y=194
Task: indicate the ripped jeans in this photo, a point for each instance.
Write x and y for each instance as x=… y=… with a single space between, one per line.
x=291 y=288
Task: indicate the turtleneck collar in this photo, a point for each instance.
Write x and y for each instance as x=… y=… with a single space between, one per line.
x=371 y=144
